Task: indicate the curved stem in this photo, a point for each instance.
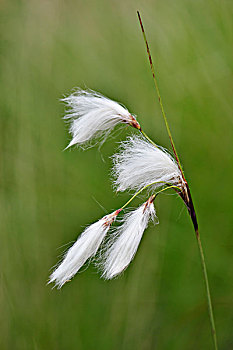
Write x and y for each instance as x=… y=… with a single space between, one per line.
x=166 y=188
x=147 y=137
x=142 y=189
x=210 y=307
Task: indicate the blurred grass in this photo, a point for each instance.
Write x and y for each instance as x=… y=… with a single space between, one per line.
x=48 y=196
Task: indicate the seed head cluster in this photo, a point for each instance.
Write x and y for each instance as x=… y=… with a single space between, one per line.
x=139 y=164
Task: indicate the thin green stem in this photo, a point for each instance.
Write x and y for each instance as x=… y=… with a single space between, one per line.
x=159 y=96
x=147 y=137
x=166 y=188
x=142 y=189
x=210 y=307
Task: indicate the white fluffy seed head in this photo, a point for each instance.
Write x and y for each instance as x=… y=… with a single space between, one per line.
x=140 y=163
x=92 y=115
x=84 y=248
x=125 y=240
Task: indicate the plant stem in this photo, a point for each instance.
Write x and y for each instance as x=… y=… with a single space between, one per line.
x=142 y=189
x=159 y=96
x=188 y=200
x=210 y=307
x=147 y=137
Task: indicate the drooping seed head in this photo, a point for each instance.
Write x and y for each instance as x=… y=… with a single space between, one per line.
x=139 y=163
x=93 y=115
x=126 y=239
x=84 y=248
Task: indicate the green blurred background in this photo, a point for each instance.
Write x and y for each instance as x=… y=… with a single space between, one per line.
x=48 y=196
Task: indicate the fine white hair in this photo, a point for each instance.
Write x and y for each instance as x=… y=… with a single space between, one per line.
x=139 y=163
x=84 y=248
x=126 y=239
x=92 y=115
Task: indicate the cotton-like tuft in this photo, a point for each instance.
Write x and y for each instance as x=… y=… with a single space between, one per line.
x=84 y=248
x=92 y=115
x=140 y=163
x=126 y=239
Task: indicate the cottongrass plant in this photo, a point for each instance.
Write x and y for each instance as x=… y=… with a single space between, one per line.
x=139 y=165
x=93 y=115
x=126 y=239
x=84 y=248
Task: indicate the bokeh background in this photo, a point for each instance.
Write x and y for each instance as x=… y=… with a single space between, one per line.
x=48 y=196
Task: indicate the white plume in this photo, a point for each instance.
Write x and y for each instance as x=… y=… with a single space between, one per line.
x=93 y=115
x=140 y=163
x=126 y=239
x=85 y=247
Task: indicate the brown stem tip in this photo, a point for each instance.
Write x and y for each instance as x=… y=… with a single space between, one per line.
x=185 y=194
